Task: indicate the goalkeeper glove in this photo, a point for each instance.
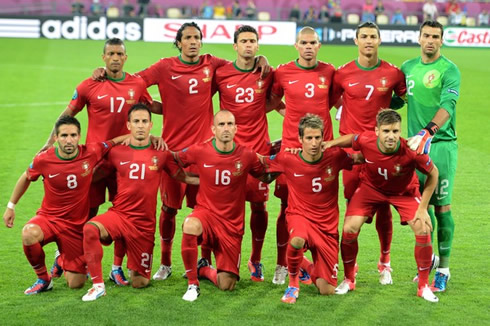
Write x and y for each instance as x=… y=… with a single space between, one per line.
x=421 y=142
x=396 y=102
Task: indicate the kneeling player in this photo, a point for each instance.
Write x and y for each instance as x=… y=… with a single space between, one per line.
x=313 y=213
x=217 y=221
x=132 y=216
x=388 y=176
x=67 y=172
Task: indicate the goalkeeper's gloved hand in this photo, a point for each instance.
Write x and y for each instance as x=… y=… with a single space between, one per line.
x=421 y=142
x=396 y=102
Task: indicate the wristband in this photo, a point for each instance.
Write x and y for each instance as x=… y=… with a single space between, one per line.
x=432 y=128
x=11 y=205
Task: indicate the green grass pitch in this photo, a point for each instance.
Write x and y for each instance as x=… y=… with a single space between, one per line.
x=37 y=81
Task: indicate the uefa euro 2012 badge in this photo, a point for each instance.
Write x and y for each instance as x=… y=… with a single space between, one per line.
x=207 y=73
x=154 y=167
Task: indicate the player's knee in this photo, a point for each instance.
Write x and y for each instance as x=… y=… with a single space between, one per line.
x=192 y=226
x=258 y=207
x=226 y=281
x=138 y=281
x=31 y=234
x=324 y=288
x=90 y=232
x=297 y=242
x=76 y=282
x=351 y=225
x=169 y=210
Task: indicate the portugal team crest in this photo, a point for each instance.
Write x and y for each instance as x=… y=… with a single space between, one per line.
x=154 y=160
x=432 y=79
x=398 y=170
x=260 y=84
x=86 y=168
x=206 y=72
x=384 y=84
x=131 y=96
x=322 y=82
x=329 y=176
x=238 y=167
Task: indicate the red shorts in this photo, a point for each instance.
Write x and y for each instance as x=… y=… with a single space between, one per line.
x=226 y=247
x=139 y=243
x=69 y=239
x=324 y=247
x=281 y=190
x=173 y=191
x=257 y=191
x=97 y=189
x=366 y=201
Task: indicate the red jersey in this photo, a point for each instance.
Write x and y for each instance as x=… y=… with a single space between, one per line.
x=138 y=171
x=186 y=94
x=307 y=91
x=364 y=92
x=108 y=103
x=67 y=181
x=222 y=180
x=313 y=186
x=389 y=173
x=244 y=94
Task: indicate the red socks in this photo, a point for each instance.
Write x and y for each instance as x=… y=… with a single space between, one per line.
x=35 y=256
x=282 y=236
x=167 y=232
x=258 y=226
x=209 y=273
x=189 y=256
x=384 y=226
x=423 y=257
x=119 y=252
x=349 y=248
x=295 y=257
x=93 y=252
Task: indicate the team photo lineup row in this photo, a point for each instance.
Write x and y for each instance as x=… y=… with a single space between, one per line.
x=208 y=158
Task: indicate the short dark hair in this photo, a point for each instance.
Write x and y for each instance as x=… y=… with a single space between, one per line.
x=387 y=117
x=114 y=41
x=432 y=23
x=139 y=107
x=66 y=120
x=244 y=29
x=367 y=25
x=312 y=121
x=178 y=37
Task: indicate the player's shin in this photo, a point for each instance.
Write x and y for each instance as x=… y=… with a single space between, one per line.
x=295 y=257
x=167 y=232
x=282 y=236
x=349 y=248
x=119 y=252
x=384 y=227
x=423 y=257
x=36 y=257
x=445 y=233
x=189 y=257
x=93 y=252
x=258 y=226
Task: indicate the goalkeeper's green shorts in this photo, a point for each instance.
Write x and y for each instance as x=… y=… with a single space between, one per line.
x=444 y=154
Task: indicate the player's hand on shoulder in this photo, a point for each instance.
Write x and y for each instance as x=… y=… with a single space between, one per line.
x=158 y=143
x=262 y=65
x=293 y=151
x=99 y=74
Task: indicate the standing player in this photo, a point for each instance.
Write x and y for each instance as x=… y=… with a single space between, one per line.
x=185 y=86
x=306 y=84
x=217 y=221
x=433 y=83
x=366 y=85
x=67 y=172
x=313 y=211
x=132 y=217
x=108 y=104
x=388 y=177
x=245 y=94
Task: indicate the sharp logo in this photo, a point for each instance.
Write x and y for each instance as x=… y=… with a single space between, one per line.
x=79 y=28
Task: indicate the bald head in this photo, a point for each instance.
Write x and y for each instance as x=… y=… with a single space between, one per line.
x=307 y=30
x=223 y=114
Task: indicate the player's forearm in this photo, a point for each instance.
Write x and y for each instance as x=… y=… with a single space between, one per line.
x=120 y=139
x=429 y=187
x=441 y=117
x=269 y=177
x=20 y=188
x=156 y=107
x=342 y=141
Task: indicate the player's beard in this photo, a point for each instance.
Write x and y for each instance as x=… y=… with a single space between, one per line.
x=68 y=149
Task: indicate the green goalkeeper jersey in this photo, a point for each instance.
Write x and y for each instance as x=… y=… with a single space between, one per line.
x=430 y=87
